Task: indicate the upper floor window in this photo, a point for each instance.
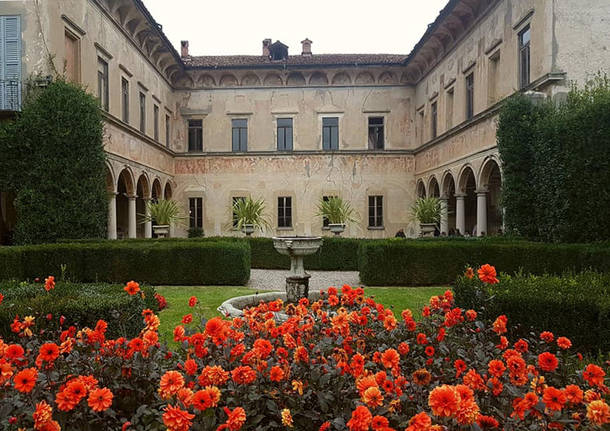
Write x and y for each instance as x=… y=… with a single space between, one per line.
x=156 y=122
x=195 y=135
x=524 y=57
x=72 y=56
x=142 y=112
x=284 y=134
x=195 y=213
x=376 y=133
x=375 y=211
x=168 y=130
x=102 y=83
x=433 y=119
x=284 y=211
x=469 y=96
x=239 y=137
x=330 y=133
x=449 y=109
x=125 y=99
x=493 y=78
x=10 y=62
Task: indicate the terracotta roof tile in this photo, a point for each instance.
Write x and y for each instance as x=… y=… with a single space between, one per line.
x=228 y=61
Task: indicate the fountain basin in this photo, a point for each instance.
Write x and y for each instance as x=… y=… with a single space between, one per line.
x=296 y=247
x=234 y=307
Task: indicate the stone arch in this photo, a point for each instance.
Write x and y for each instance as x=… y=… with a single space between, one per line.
x=295 y=79
x=466 y=187
x=404 y=78
x=250 y=80
x=341 y=78
x=387 y=78
x=433 y=188
x=318 y=78
x=206 y=80
x=142 y=196
x=365 y=78
x=168 y=191
x=228 y=80
x=421 y=189
x=448 y=194
x=125 y=188
x=111 y=181
x=465 y=174
x=185 y=81
x=155 y=190
x=272 y=80
x=490 y=181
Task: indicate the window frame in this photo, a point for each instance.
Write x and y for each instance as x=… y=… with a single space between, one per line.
x=286 y=130
x=376 y=126
x=284 y=212
x=156 y=122
x=197 y=129
x=525 y=69
x=469 y=84
x=142 y=101
x=69 y=34
x=375 y=202
x=168 y=129
x=242 y=135
x=434 y=119
x=196 y=220
x=125 y=99
x=103 y=91
x=330 y=130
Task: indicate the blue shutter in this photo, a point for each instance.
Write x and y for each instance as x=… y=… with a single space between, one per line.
x=10 y=62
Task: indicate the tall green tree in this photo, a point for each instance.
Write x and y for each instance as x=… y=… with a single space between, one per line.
x=53 y=159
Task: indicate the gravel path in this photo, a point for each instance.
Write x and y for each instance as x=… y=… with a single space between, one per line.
x=271 y=279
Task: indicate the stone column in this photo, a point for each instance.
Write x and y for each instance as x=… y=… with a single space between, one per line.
x=148 y=223
x=481 y=212
x=444 y=214
x=132 y=217
x=460 y=213
x=112 y=216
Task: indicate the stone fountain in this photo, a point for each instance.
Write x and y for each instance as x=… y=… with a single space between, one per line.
x=297 y=247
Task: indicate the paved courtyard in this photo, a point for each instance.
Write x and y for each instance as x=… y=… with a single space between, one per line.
x=267 y=279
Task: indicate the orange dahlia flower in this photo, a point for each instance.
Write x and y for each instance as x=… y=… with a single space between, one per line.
x=487 y=274
x=49 y=283
x=554 y=399
x=287 y=418
x=25 y=380
x=48 y=352
x=372 y=397
x=42 y=414
x=419 y=422
x=100 y=399
x=176 y=419
x=598 y=412
x=548 y=362
x=444 y=401
x=132 y=288
x=390 y=358
x=171 y=382
x=361 y=419
x=236 y=419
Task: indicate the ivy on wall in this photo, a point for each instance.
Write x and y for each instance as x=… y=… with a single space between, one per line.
x=54 y=160
x=556 y=164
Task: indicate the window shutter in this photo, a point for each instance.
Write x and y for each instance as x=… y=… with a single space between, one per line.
x=10 y=61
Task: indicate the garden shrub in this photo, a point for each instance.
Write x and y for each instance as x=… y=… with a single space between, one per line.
x=575 y=305
x=54 y=160
x=82 y=305
x=556 y=165
x=154 y=262
x=399 y=262
x=341 y=363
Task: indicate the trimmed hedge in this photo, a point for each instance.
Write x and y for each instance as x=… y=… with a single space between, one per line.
x=81 y=304
x=399 y=262
x=154 y=262
x=575 y=306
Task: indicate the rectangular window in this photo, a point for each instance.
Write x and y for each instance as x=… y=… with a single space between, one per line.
x=330 y=133
x=102 y=83
x=469 y=96
x=376 y=133
x=433 y=120
x=72 y=59
x=10 y=62
x=196 y=212
x=239 y=137
x=235 y=199
x=284 y=211
x=524 y=57
x=449 y=109
x=195 y=135
x=375 y=211
x=284 y=134
x=168 y=130
x=156 y=122
x=142 y=112
x=125 y=99
x=492 y=79
x=419 y=126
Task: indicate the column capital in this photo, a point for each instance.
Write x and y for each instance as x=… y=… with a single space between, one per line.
x=132 y=197
x=481 y=191
x=444 y=197
x=460 y=195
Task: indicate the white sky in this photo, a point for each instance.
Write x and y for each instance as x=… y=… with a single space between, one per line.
x=223 y=27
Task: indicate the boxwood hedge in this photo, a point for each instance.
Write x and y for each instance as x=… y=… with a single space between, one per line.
x=154 y=262
x=396 y=262
x=81 y=304
x=573 y=305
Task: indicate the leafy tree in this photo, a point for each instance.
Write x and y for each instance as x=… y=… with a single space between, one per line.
x=54 y=160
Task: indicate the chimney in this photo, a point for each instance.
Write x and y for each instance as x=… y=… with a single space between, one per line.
x=266 y=45
x=306 y=47
x=184 y=48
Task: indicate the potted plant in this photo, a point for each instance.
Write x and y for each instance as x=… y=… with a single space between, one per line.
x=337 y=211
x=248 y=214
x=428 y=212
x=163 y=213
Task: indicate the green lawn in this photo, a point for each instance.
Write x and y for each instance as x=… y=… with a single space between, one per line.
x=210 y=297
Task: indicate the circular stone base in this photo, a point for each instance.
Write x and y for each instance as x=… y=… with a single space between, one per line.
x=233 y=307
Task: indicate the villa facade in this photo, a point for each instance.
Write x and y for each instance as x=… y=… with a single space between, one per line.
x=379 y=130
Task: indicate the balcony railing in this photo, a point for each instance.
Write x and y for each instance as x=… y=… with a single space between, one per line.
x=10 y=95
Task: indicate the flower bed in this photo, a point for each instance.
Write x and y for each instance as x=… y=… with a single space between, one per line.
x=343 y=362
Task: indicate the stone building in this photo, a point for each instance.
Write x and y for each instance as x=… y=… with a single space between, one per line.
x=378 y=130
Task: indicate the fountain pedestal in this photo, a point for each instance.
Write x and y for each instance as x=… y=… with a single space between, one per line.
x=297 y=283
